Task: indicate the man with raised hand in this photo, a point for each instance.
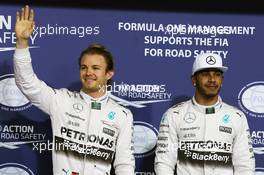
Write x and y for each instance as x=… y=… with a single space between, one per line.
x=90 y=130
x=204 y=135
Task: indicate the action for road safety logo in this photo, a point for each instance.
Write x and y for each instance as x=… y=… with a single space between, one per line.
x=11 y=98
x=251 y=99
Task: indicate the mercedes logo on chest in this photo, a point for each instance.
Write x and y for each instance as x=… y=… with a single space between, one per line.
x=77 y=107
x=189 y=117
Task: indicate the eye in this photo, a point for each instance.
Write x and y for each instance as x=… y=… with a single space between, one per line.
x=218 y=74
x=204 y=74
x=83 y=68
x=96 y=67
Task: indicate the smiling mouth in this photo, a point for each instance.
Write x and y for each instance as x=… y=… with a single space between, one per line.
x=89 y=80
x=212 y=87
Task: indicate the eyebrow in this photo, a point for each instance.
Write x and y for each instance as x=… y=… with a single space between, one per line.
x=92 y=65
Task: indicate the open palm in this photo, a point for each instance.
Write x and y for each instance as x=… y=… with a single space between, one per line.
x=24 y=24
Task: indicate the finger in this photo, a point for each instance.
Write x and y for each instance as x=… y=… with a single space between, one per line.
x=26 y=12
x=17 y=17
x=22 y=14
x=32 y=28
x=31 y=15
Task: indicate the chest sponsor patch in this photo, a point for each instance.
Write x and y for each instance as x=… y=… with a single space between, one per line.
x=96 y=105
x=108 y=131
x=83 y=151
x=209 y=152
x=225 y=129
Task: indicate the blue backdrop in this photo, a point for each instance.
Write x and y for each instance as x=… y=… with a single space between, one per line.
x=153 y=54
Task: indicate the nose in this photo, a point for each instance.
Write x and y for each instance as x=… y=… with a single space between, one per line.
x=212 y=77
x=89 y=71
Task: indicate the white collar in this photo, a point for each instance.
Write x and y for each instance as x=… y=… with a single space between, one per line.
x=88 y=99
x=202 y=108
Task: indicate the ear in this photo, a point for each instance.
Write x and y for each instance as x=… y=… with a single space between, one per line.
x=193 y=80
x=222 y=80
x=109 y=74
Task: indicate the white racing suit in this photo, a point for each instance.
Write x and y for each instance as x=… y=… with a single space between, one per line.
x=88 y=134
x=201 y=140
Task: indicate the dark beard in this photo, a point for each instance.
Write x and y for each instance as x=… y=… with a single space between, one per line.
x=206 y=95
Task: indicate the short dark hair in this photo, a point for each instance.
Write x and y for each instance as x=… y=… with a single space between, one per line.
x=99 y=49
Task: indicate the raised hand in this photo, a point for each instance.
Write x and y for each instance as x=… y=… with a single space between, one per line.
x=24 y=26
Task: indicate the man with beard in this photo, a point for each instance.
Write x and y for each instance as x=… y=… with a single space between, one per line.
x=91 y=132
x=204 y=135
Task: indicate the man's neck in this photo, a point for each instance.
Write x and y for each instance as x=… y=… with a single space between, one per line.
x=206 y=101
x=95 y=94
